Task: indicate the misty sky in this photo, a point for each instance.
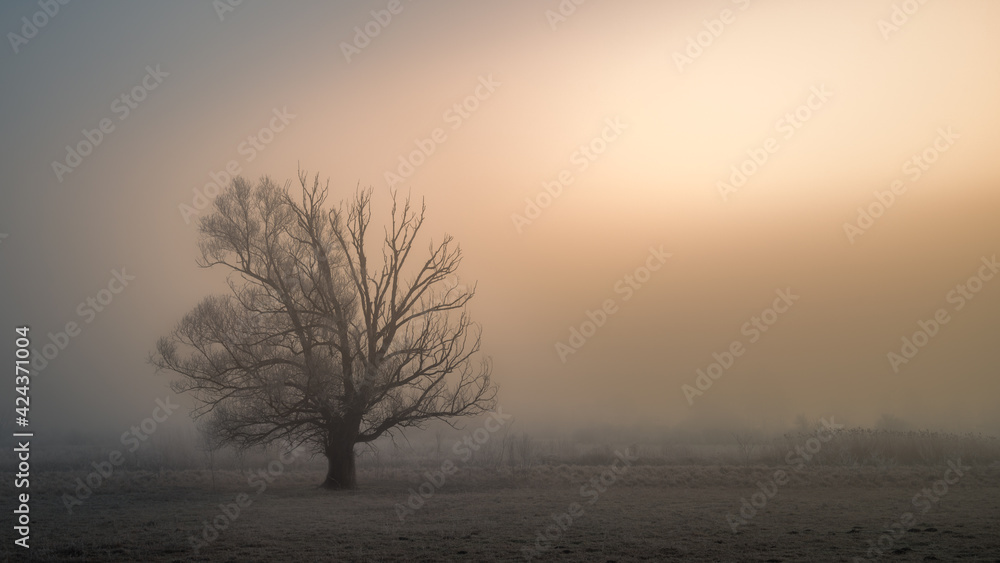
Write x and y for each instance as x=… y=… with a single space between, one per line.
x=639 y=129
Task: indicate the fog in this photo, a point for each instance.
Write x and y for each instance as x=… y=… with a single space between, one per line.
x=593 y=167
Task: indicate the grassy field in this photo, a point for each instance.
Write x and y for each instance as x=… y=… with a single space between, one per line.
x=646 y=513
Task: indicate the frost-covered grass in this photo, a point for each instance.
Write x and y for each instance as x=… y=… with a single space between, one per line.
x=651 y=512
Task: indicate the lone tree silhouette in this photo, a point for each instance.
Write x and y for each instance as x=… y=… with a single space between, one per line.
x=317 y=345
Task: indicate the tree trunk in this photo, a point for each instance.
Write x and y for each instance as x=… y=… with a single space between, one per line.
x=340 y=472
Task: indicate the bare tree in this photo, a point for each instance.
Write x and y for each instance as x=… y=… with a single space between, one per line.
x=745 y=446
x=318 y=344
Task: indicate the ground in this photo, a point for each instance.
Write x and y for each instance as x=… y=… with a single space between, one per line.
x=665 y=513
